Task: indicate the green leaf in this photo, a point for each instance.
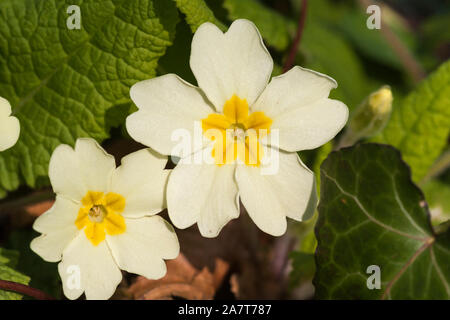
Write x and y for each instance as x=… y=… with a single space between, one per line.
x=44 y=275
x=176 y=59
x=328 y=11
x=303 y=264
x=64 y=84
x=303 y=268
x=326 y=51
x=372 y=43
x=438 y=198
x=9 y=258
x=197 y=12
x=322 y=154
x=420 y=125
x=8 y=261
x=435 y=33
x=371 y=213
x=274 y=27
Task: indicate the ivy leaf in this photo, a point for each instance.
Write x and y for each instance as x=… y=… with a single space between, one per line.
x=197 y=12
x=64 y=84
x=8 y=261
x=420 y=125
x=371 y=213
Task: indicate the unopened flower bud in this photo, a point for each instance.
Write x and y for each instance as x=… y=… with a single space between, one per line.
x=381 y=101
x=370 y=117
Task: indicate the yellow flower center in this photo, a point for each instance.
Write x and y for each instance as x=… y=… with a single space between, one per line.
x=236 y=133
x=100 y=215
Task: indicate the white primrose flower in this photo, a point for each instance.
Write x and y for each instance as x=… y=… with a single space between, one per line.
x=9 y=126
x=103 y=219
x=244 y=119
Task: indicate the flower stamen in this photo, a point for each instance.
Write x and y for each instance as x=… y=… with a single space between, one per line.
x=97 y=213
x=100 y=215
x=240 y=132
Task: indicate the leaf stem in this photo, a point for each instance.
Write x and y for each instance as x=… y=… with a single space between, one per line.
x=24 y=289
x=426 y=245
x=298 y=36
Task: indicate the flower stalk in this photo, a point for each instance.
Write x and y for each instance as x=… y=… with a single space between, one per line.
x=369 y=118
x=24 y=289
x=298 y=37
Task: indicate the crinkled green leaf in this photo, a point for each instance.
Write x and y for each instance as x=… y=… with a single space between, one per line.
x=274 y=28
x=197 y=12
x=370 y=213
x=8 y=261
x=64 y=84
x=420 y=125
x=9 y=274
x=8 y=257
x=44 y=275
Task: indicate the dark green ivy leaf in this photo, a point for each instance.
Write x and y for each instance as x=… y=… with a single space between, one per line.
x=372 y=214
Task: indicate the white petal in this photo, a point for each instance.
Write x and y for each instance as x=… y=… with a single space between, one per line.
x=270 y=198
x=202 y=193
x=309 y=127
x=99 y=274
x=58 y=228
x=62 y=214
x=296 y=88
x=144 y=245
x=5 y=108
x=297 y=102
x=9 y=126
x=236 y=62
x=141 y=180
x=50 y=246
x=167 y=106
x=75 y=172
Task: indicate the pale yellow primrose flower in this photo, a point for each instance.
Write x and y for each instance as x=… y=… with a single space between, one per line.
x=103 y=219
x=9 y=126
x=233 y=72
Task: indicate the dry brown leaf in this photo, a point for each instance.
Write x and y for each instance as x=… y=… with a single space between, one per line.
x=245 y=248
x=22 y=216
x=182 y=280
x=35 y=210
